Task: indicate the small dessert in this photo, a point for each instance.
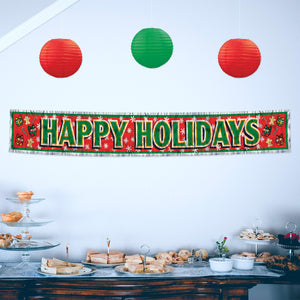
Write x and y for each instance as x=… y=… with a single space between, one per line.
x=5 y=240
x=11 y=217
x=262 y=257
x=164 y=256
x=201 y=252
x=24 y=195
x=283 y=263
x=184 y=254
x=289 y=239
x=114 y=257
x=248 y=254
x=59 y=267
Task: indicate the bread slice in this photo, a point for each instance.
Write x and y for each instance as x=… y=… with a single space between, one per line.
x=114 y=257
x=133 y=267
x=56 y=266
x=136 y=258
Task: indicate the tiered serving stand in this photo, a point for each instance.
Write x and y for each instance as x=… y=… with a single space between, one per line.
x=291 y=228
x=256 y=224
x=26 y=245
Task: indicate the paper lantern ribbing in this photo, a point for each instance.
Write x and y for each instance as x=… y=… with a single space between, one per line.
x=152 y=47
x=239 y=57
x=60 y=57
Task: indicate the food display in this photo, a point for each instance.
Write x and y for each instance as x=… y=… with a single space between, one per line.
x=22 y=242
x=11 y=217
x=56 y=266
x=152 y=267
x=181 y=256
x=114 y=257
x=284 y=263
x=256 y=235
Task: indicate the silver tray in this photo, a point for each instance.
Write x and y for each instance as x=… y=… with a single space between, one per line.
x=83 y=272
x=119 y=269
x=101 y=265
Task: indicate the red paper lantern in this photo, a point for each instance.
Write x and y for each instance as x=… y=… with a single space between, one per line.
x=239 y=58
x=60 y=57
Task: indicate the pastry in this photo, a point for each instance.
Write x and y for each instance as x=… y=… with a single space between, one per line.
x=11 y=217
x=248 y=254
x=56 y=266
x=164 y=256
x=25 y=195
x=204 y=253
x=184 y=254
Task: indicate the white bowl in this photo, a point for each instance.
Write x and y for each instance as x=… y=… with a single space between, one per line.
x=243 y=263
x=220 y=264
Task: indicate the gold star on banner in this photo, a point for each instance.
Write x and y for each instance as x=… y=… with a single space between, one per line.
x=272 y=120
x=269 y=142
x=30 y=142
x=27 y=120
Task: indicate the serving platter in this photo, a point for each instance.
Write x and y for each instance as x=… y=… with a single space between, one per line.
x=30 y=245
x=101 y=265
x=82 y=272
x=25 y=201
x=259 y=242
x=36 y=223
x=120 y=269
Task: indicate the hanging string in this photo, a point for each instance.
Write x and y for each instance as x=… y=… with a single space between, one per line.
x=150 y=12
x=239 y=18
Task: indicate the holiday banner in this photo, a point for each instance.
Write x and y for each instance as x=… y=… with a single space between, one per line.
x=148 y=134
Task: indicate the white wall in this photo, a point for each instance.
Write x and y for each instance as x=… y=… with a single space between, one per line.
x=166 y=202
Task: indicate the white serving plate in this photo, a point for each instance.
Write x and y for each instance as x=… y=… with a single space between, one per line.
x=120 y=269
x=84 y=271
x=101 y=265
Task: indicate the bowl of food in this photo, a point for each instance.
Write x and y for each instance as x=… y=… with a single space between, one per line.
x=242 y=262
x=220 y=264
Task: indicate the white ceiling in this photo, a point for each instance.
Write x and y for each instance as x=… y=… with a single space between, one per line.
x=15 y=12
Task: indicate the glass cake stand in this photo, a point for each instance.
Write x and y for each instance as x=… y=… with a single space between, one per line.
x=25 y=244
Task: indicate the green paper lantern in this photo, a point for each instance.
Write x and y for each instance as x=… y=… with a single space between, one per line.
x=152 y=47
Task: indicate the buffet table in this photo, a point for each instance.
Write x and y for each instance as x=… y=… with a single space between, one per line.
x=105 y=283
